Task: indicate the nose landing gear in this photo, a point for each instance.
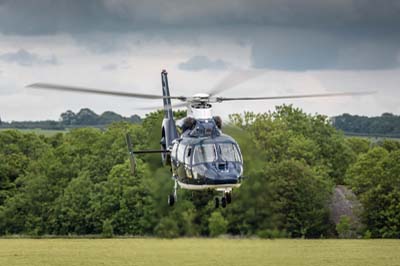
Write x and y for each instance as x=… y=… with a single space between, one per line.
x=228 y=197
x=225 y=199
x=223 y=202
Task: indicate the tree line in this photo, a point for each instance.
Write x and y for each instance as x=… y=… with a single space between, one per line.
x=69 y=119
x=385 y=125
x=79 y=182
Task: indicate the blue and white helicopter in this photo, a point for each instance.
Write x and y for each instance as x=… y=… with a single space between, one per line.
x=201 y=157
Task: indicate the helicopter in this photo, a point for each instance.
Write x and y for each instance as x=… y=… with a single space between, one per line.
x=201 y=157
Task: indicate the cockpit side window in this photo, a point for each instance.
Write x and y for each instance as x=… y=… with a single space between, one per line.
x=229 y=152
x=188 y=155
x=205 y=153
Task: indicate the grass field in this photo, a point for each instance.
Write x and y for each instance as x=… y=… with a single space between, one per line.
x=224 y=252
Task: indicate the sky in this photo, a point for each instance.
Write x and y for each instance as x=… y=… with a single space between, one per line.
x=297 y=46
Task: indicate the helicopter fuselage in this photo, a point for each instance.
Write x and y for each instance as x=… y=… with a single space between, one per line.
x=204 y=158
x=201 y=157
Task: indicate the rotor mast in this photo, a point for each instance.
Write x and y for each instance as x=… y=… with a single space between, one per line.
x=200 y=107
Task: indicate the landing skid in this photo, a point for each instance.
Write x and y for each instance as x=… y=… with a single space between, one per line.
x=218 y=187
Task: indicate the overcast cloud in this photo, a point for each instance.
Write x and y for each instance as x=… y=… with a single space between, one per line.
x=123 y=44
x=26 y=58
x=200 y=62
x=74 y=16
x=283 y=34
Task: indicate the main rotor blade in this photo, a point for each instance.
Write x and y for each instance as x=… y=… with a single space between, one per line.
x=49 y=86
x=234 y=79
x=167 y=107
x=320 y=95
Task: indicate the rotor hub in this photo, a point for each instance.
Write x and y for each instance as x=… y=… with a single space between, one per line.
x=201 y=110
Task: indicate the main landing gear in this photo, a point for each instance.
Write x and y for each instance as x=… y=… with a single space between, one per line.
x=224 y=200
x=172 y=198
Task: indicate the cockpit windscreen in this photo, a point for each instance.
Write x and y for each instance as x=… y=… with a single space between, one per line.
x=229 y=152
x=204 y=154
x=208 y=153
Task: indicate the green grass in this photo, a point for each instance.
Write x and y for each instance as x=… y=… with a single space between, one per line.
x=224 y=252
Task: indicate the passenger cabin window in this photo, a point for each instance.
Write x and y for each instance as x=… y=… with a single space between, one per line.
x=188 y=155
x=229 y=152
x=204 y=154
x=181 y=152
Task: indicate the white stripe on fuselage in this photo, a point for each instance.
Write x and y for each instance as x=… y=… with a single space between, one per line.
x=203 y=187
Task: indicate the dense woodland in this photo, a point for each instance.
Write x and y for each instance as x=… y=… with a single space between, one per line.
x=385 y=125
x=79 y=182
x=69 y=119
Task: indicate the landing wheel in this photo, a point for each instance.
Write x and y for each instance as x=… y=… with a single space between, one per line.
x=216 y=203
x=223 y=202
x=171 y=200
x=228 y=197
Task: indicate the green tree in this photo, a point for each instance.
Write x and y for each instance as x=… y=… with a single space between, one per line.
x=358 y=145
x=68 y=118
x=109 y=117
x=300 y=196
x=74 y=206
x=289 y=133
x=79 y=182
x=375 y=178
x=86 y=117
x=344 y=227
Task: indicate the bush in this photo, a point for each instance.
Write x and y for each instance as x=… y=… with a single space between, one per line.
x=108 y=230
x=344 y=227
x=217 y=224
x=367 y=234
x=272 y=233
x=167 y=228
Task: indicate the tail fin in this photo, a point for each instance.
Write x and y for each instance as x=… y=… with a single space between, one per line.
x=165 y=90
x=131 y=153
x=169 y=132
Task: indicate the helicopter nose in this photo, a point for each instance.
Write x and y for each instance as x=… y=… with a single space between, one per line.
x=224 y=172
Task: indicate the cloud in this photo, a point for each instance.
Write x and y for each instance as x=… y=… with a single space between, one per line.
x=109 y=67
x=76 y=16
x=199 y=62
x=305 y=35
x=116 y=66
x=23 y=57
x=301 y=50
x=8 y=87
